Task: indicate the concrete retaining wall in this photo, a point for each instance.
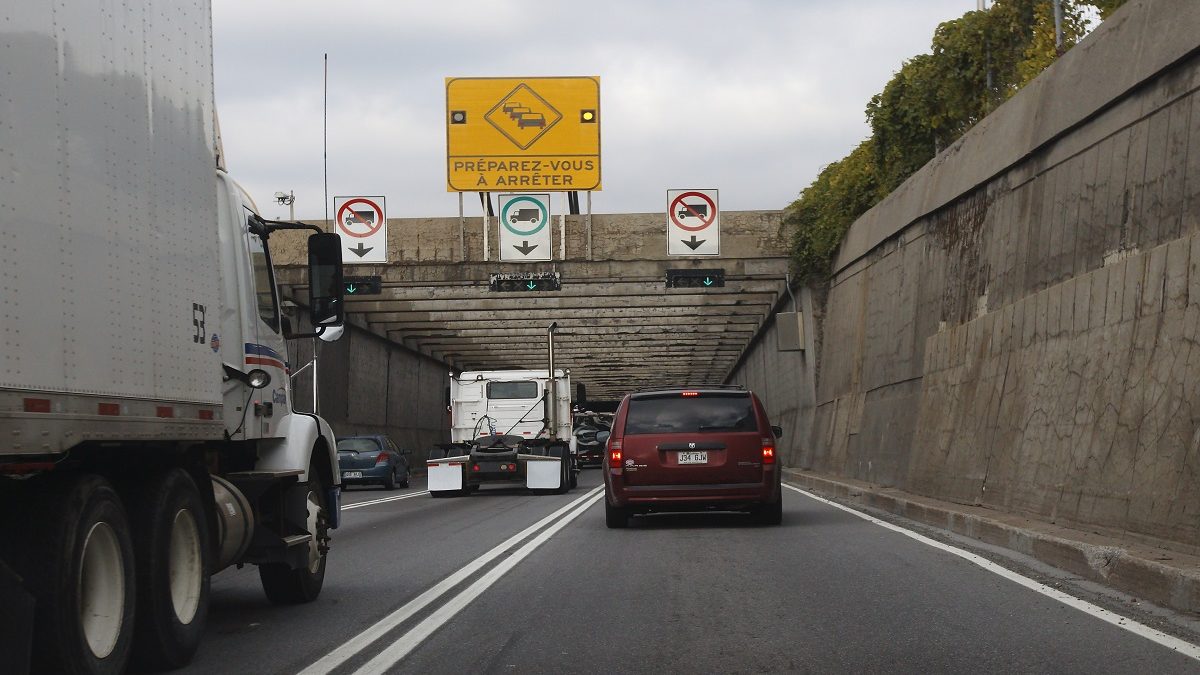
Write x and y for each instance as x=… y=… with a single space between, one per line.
x=369 y=385
x=1013 y=327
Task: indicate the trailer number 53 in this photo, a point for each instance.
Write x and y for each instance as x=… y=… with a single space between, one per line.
x=198 y=323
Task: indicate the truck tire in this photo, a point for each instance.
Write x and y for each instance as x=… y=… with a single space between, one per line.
x=173 y=557
x=564 y=467
x=286 y=586
x=80 y=566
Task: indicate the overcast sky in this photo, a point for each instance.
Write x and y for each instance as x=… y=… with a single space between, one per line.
x=749 y=97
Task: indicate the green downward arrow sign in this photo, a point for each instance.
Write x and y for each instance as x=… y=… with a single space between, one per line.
x=707 y=281
x=532 y=286
x=351 y=288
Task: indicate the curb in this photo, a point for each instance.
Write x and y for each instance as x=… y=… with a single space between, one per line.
x=1108 y=561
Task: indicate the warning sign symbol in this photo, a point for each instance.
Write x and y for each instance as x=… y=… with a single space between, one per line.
x=523 y=116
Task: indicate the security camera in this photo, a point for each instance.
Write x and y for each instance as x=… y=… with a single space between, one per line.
x=281 y=197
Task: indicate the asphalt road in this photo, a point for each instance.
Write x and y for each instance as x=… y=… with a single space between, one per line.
x=826 y=592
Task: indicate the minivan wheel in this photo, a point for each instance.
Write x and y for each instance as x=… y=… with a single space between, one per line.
x=615 y=517
x=770 y=513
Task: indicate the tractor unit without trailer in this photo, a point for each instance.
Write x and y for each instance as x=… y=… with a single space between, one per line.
x=509 y=427
x=147 y=436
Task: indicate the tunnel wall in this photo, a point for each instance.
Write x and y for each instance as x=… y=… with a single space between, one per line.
x=1015 y=326
x=369 y=385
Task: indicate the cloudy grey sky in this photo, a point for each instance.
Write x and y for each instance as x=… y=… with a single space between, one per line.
x=750 y=97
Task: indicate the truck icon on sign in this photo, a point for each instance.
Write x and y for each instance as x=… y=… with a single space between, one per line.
x=530 y=215
x=697 y=210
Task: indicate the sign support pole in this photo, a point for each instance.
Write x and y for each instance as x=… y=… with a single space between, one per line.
x=562 y=229
x=589 y=224
x=462 y=230
x=486 y=244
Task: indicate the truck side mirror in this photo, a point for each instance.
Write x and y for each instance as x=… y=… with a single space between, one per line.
x=325 y=290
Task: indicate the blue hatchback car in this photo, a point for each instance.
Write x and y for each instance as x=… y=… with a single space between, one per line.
x=373 y=460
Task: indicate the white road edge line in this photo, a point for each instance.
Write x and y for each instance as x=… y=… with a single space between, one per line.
x=1170 y=642
x=383 y=500
x=392 y=654
x=359 y=642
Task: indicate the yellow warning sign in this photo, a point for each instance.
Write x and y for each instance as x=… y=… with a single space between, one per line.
x=534 y=132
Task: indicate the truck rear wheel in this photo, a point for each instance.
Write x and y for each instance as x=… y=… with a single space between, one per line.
x=286 y=586
x=173 y=562
x=79 y=563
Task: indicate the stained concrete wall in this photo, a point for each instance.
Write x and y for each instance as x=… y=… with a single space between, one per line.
x=1013 y=327
x=603 y=236
x=370 y=385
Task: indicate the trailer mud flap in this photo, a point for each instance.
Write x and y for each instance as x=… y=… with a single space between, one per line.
x=445 y=476
x=543 y=473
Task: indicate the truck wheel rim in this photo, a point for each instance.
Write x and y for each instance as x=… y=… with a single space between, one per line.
x=314 y=544
x=101 y=589
x=186 y=566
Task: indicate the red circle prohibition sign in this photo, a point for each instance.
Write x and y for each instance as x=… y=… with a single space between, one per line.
x=374 y=228
x=704 y=222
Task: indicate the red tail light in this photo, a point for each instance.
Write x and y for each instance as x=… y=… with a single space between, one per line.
x=382 y=458
x=475 y=467
x=689 y=394
x=768 y=447
x=614 y=453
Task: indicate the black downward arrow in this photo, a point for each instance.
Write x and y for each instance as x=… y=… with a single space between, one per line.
x=693 y=244
x=361 y=250
x=525 y=248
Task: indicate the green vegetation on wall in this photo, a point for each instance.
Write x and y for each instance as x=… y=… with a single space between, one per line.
x=976 y=63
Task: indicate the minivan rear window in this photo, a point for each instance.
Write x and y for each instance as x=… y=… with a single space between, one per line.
x=673 y=413
x=502 y=390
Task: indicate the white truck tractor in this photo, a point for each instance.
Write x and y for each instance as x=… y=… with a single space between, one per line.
x=508 y=427
x=147 y=436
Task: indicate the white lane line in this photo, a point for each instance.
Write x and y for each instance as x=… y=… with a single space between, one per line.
x=364 y=639
x=1170 y=642
x=384 y=500
x=392 y=654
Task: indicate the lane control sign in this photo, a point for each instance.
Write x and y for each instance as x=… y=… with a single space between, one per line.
x=693 y=223
x=524 y=228
x=362 y=223
x=371 y=285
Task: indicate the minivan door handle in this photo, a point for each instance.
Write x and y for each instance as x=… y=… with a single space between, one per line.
x=694 y=445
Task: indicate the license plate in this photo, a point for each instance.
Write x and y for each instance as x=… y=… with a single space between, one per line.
x=693 y=458
x=351 y=474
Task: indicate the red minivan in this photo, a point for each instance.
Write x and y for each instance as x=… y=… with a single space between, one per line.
x=706 y=448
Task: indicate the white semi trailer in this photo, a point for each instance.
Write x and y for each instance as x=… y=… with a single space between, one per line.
x=508 y=427
x=147 y=436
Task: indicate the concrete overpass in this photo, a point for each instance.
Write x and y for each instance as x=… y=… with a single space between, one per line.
x=619 y=327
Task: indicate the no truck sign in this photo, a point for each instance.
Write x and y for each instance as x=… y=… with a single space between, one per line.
x=362 y=223
x=693 y=223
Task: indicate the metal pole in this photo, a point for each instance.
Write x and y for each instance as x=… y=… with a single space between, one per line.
x=589 y=225
x=462 y=230
x=562 y=230
x=316 y=405
x=486 y=245
x=552 y=387
x=291 y=205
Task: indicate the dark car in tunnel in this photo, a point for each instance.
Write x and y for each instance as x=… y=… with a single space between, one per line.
x=372 y=460
x=695 y=449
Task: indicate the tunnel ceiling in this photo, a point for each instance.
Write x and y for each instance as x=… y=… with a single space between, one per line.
x=619 y=327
